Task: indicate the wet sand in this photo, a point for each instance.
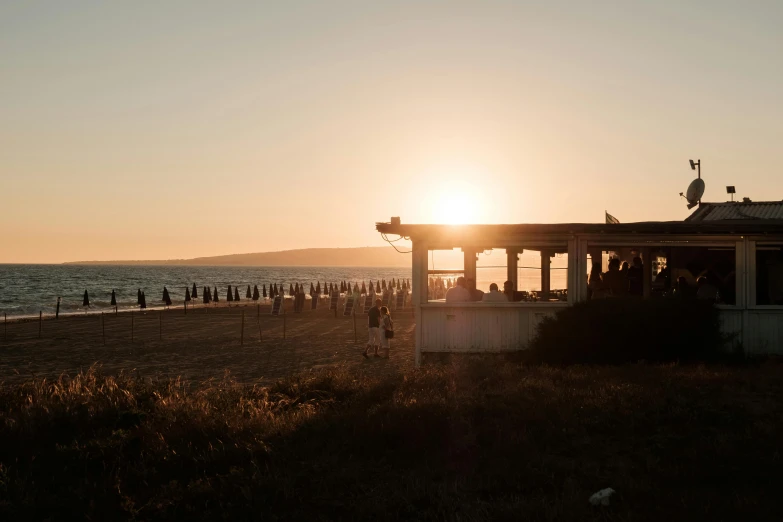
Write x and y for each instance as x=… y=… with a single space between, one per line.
x=205 y=343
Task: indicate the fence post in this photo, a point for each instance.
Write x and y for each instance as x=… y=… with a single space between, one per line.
x=103 y=330
x=40 y=322
x=242 y=334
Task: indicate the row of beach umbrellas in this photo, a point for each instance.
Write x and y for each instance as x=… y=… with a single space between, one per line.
x=210 y=296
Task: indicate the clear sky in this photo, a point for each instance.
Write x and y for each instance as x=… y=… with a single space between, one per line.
x=139 y=130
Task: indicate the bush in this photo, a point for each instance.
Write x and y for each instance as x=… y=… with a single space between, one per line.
x=618 y=331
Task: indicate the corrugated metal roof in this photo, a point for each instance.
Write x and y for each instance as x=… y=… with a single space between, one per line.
x=738 y=210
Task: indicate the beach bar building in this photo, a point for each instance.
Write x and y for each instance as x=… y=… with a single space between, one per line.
x=738 y=246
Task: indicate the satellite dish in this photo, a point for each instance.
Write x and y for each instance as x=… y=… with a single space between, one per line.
x=695 y=192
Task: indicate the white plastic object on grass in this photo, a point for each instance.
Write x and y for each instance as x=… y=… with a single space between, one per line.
x=601 y=498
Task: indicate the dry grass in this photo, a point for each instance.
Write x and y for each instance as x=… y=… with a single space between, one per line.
x=475 y=440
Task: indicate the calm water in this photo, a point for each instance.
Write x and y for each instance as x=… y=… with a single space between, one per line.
x=27 y=289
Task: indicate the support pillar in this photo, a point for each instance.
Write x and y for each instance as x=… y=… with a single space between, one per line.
x=646 y=272
x=545 y=274
x=512 y=267
x=469 y=255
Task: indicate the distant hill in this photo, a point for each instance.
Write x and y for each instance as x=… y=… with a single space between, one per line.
x=362 y=256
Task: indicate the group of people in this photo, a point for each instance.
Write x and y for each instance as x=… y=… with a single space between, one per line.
x=628 y=280
x=617 y=281
x=381 y=329
x=464 y=291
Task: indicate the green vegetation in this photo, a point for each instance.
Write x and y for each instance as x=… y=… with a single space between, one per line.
x=475 y=440
x=617 y=331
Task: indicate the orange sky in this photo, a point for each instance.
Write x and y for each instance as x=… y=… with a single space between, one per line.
x=193 y=129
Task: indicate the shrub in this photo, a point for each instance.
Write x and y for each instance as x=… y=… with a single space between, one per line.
x=627 y=330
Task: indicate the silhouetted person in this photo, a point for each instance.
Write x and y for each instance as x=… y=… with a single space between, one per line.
x=459 y=292
x=636 y=278
x=595 y=285
x=683 y=289
x=475 y=293
x=511 y=294
x=706 y=290
x=494 y=295
x=615 y=282
x=374 y=328
x=113 y=298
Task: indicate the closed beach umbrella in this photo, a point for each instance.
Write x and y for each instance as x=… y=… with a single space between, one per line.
x=383 y=284
x=318 y=287
x=166 y=297
x=273 y=290
x=263 y=288
x=143 y=301
x=364 y=289
x=248 y=295
x=296 y=289
x=86 y=300
x=331 y=289
x=312 y=289
x=290 y=289
x=138 y=298
x=187 y=294
x=229 y=295
x=256 y=295
x=236 y=293
x=204 y=296
x=377 y=287
x=215 y=296
x=113 y=299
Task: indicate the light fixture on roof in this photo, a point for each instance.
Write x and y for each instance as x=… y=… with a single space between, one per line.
x=731 y=190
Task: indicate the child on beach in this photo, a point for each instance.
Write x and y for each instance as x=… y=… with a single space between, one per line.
x=387 y=329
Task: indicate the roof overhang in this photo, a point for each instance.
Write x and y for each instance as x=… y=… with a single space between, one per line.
x=487 y=234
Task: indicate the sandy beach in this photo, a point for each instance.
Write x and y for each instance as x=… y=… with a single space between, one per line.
x=205 y=343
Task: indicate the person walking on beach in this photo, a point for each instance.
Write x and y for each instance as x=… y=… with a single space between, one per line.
x=387 y=329
x=374 y=327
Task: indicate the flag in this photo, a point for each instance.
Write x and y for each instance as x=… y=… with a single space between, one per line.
x=610 y=219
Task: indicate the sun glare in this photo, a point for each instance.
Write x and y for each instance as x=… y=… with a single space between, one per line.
x=455 y=207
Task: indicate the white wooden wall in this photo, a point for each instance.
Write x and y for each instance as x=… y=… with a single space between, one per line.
x=481 y=327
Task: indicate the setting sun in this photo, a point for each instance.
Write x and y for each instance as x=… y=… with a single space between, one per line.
x=456 y=207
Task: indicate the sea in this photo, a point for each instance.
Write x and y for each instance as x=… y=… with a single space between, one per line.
x=27 y=290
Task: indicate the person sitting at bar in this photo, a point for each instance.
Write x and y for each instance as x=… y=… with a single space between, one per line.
x=636 y=278
x=615 y=282
x=683 y=289
x=494 y=295
x=706 y=290
x=475 y=293
x=511 y=294
x=595 y=285
x=458 y=293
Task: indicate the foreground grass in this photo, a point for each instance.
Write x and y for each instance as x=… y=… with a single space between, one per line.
x=476 y=441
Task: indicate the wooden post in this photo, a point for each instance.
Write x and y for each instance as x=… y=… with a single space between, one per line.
x=242 y=334
x=103 y=330
x=355 y=339
x=5 y=326
x=57 y=312
x=160 y=326
x=131 y=325
x=115 y=309
x=40 y=322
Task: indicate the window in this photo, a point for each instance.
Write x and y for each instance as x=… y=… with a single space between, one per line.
x=684 y=271
x=769 y=274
